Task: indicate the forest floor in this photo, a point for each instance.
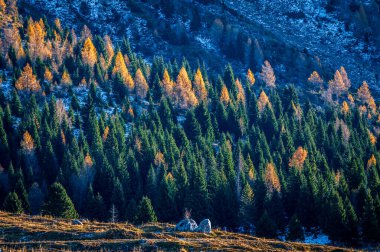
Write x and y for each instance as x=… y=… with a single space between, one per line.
x=26 y=233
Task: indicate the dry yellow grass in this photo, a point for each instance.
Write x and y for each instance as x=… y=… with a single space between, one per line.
x=25 y=233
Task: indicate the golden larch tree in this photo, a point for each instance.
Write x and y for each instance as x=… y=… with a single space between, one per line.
x=267 y=75
x=250 y=77
x=297 y=111
x=105 y=133
x=36 y=39
x=48 y=76
x=109 y=48
x=241 y=92
x=183 y=93
x=66 y=79
x=346 y=80
x=224 y=95
x=141 y=86
x=271 y=179
x=28 y=81
x=88 y=163
x=337 y=85
x=199 y=86
x=263 y=101
x=121 y=68
x=372 y=138
x=315 y=79
x=371 y=161
x=364 y=95
x=27 y=142
x=298 y=159
x=345 y=108
x=167 y=84
x=88 y=53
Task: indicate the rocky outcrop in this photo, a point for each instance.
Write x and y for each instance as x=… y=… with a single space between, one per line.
x=189 y=225
x=204 y=226
x=186 y=225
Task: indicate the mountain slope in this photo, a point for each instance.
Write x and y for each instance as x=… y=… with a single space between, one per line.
x=298 y=37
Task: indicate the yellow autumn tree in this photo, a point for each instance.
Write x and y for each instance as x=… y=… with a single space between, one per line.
x=121 y=68
x=88 y=163
x=371 y=161
x=88 y=53
x=337 y=85
x=200 y=87
x=298 y=159
x=48 y=76
x=141 y=86
x=27 y=142
x=36 y=33
x=315 y=79
x=105 y=133
x=263 y=101
x=109 y=48
x=167 y=84
x=66 y=79
x=345 y=108
x=183 y=93
x=372 y=138
x=241 y=92
x=364 y=95
x=271 y=179
x=346 y=80
x=224 y=95
x=28 y=81
x=250 y=77
x=267 y=75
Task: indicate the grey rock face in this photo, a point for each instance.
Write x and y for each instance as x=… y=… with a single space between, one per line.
x=186 y=225
x=204 y=226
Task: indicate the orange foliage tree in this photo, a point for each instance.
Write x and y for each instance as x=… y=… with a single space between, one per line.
x=28 y=81
x=271 y=179
x=121 y=68
x=36 y=33
x=224 y=95
x=199 y=86
x=66 y=79
x=88 y=53
x=184 y=96
x=251 y=77
x=167 y=84
x=298 y=159
x=315 y=79
x=27 y=142
x=267 y=75
x=241 y=93
x=141 y=86
x=364 y=95
x=263 y=101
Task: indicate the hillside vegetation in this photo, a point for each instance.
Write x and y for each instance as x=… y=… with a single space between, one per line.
x=89 y=128
x=41 y=233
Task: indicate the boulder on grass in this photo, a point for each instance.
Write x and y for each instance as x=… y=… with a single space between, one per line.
x=186 y=225
x=204 y=226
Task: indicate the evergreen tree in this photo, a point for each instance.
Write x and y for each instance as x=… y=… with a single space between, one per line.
x=58 y=203
x=145 y=212
x=12 y=203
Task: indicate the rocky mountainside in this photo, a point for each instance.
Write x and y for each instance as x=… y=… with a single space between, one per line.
x=296 y=36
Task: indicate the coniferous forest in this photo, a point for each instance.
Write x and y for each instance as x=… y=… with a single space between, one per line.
x=89 y=128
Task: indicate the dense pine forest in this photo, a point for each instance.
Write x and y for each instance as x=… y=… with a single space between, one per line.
x=89 y=128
